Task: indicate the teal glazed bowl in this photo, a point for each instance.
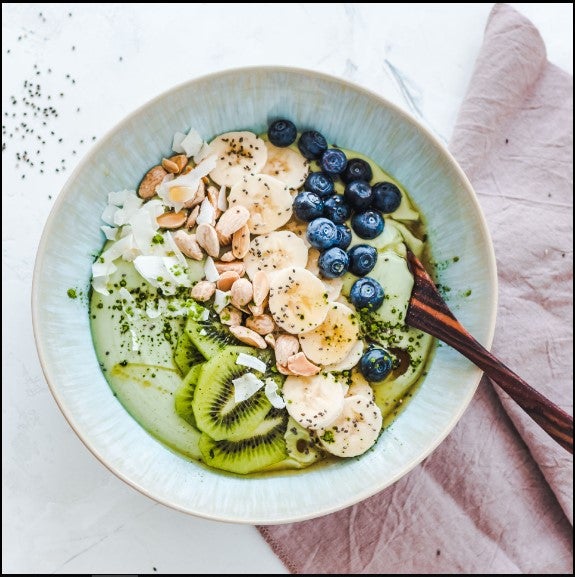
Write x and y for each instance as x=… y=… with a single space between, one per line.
x=247 y=99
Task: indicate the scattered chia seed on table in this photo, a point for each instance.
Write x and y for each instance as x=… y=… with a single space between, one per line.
x=31 y=117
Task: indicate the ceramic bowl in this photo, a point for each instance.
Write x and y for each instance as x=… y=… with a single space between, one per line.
x=247 y=99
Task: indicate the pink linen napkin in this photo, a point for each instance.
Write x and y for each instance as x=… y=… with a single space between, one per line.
x=497 y=495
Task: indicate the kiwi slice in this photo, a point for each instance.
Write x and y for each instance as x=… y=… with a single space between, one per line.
x=217 y=414
x=303 y=448
x=262 y=448
x=185 y=394
x=209 y=336
x=186 y=355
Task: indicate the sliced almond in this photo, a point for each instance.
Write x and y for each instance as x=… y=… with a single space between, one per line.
x=283 y=370
x=233 y=219
x=172 y=219
x=186 y=242
x=231 y=316
x=170 y=166
x=256 y=310
x=248 y=337
x=227 y=256
x=241 y=242
x=286 y=347
x=261 y=285
x=300 y=365
x=198 y=198
x=262 y=324
x=203 y=290
x=224 y=240
x=241 y=292
x=191 y=222
x=151 y=180
x=226 y=280
x=236 y=266
x=180 y=160
x=207 y=238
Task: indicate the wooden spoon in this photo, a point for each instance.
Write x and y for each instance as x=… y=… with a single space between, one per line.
x=427 y=311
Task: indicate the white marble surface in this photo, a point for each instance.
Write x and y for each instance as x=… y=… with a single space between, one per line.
x=63 y=512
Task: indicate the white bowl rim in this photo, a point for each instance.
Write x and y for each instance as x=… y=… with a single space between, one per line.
x=51 y=221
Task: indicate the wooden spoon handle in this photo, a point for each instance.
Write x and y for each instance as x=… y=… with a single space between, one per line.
x=428 y=311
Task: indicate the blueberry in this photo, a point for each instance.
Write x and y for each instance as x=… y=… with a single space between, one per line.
x=282 y=132
x=333 y=262
x=362 y=259
x=343 y=236
x=312 y=144
x=357 y=169
x=358 y=194
x=320 y=183
x=333 y=161
x=386 y=197
x=335 y=208
x=367 y=224
x=376 y=364
x=366 y=293
x=322 y=233
x=307 y=206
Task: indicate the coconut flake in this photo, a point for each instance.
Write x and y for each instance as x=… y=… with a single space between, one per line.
x=204 y=152
x=104 y=266
x=125 y=294
x=271 y=391
x=144 y=227
x=109 y=213
x=207 y=213
x=192 y=143
x=177 y=142
x=222 y=199
x=153 y=313
x=163 y=272
x=221 y=300
x=135 y=340
x=251 y=362
x=245 y=386
x=110 y=232
x=100 y=285
x=210 y=270
x=173 y=247
x=205 y=315
x=130 y=207
x=119 y=197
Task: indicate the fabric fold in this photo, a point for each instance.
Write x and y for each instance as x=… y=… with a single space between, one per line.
x=497 y=495
x=514 y=139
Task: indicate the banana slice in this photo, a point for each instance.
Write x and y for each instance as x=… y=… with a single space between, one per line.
x=334 y=339
x=237 y=154
x=355 y=430
x=267 y=199
x=314 y=402
x=287 y=165
x=298 y=300
x=275 y=251
x=349 y=361
x=359 y=386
